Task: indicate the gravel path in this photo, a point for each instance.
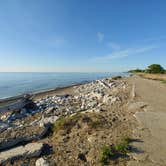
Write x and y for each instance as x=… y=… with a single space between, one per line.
x=151 y=132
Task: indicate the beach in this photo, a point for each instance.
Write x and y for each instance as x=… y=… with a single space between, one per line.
x=71 y=125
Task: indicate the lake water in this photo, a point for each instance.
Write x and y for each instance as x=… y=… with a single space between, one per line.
x=12 y=84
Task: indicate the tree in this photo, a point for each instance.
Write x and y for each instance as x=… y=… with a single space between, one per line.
x=155 y=68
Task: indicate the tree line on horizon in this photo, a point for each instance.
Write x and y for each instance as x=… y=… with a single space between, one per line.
x=154 y=68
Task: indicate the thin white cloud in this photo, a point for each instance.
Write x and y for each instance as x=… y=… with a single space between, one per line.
x=100 y=36
x=114 y=46
x=126 y=52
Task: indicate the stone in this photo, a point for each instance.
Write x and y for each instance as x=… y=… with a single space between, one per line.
x=23 y=111
x=82 y=157
x=3 y=126
x=41 y=162
x=49 y=110
x=51 y=119
x=27 y=151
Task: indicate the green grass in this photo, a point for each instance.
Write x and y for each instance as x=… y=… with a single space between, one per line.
x=65 y=123
x=59 y=124
x=106 y=154
x=123 y=147
x=164 y=81
x=115 y=151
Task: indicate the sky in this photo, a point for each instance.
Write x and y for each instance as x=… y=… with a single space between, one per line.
x=81 y=35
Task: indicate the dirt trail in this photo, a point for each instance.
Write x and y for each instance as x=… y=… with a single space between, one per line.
x=151 y=131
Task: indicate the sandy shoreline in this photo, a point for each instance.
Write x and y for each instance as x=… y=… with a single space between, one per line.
x=41 y=94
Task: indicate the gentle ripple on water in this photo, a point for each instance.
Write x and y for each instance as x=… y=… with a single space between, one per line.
x=12 y=84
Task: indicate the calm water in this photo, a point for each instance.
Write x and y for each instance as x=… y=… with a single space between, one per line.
x=12 y=84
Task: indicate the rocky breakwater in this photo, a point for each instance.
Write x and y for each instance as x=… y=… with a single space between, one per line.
x=33 y=123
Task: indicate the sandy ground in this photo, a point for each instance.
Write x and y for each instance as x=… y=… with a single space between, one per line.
x=151 y=130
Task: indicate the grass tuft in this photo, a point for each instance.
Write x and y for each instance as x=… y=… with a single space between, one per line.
x=164 y=81
x=106 y=154
x=115 y=151
x=123 y=147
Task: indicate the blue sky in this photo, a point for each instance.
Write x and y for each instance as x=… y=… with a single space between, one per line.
x=81 y=35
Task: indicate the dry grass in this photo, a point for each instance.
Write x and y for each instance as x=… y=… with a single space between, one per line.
x=67 y=123
x=159 y=77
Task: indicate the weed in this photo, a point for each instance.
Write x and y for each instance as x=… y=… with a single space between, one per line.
x=106 y=154
x=115 y=151
x=164 y=81
x=123 y=146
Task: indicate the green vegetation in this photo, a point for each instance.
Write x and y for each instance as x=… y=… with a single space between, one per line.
x=59 y=124
x=116 y=77
x=123 y=146
x=164 y=81
x=115 y=151
x=66 y=123
x=154 y=68
x=106 y=155
x=136 y=71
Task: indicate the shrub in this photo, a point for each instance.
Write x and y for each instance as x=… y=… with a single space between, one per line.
x=116 y=77
x=136 y=71
x=123 y=146
x=115 y=151
x=155 y=68
x=107 y=153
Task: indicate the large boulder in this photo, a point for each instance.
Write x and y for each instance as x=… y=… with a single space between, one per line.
x=27 y=151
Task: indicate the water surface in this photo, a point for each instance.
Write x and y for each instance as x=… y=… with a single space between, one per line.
x=12 y=84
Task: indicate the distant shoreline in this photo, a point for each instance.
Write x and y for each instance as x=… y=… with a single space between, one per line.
x=36 y=94
x=46 y=92
x=12 y=85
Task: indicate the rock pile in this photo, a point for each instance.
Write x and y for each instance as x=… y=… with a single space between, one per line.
x=28 y=124
x=29 y=150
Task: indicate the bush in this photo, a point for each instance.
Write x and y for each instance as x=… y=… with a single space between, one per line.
x=136 y=71
x=123 y=146
x=107 y=153
x=115 y=151
x=116 y=77
x=155 y=68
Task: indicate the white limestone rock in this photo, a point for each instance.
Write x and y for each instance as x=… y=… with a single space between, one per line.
x=27 y=151
x=41 y=162
x=51 y=119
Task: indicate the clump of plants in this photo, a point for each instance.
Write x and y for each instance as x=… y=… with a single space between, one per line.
x=106 y=154
x=123 y=147
x=164 y=81
x=65 y=123
x=116 y=77
x=115 y=151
